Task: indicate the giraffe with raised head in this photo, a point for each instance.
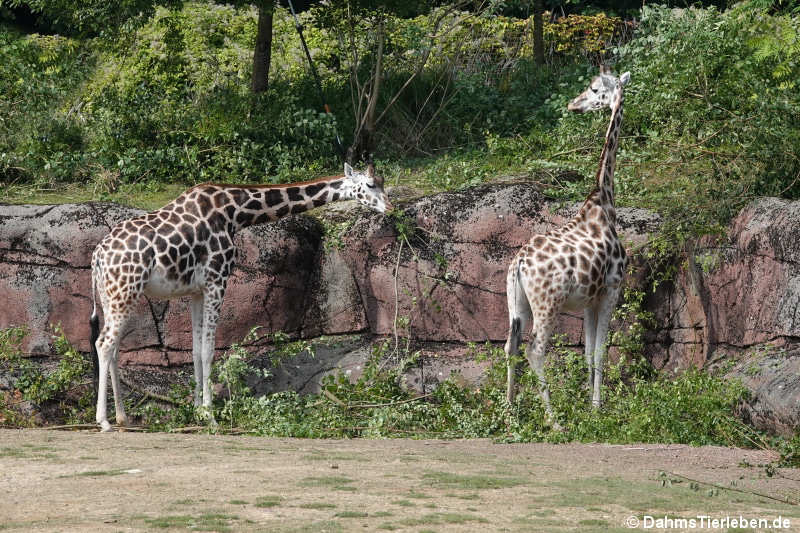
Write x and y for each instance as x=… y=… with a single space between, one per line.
x=187 y=248
x=579 y=265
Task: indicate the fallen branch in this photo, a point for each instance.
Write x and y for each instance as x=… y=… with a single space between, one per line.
x=78 y=427
x=189 y=429
x=390 y=404
x=734 y=489
x=148 y=394
x=73 y=427
x=332 y=397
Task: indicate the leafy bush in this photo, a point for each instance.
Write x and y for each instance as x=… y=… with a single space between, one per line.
x=710 y=117
x=31 y=383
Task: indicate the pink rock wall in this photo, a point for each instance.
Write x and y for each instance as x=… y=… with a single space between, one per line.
x=737 y=297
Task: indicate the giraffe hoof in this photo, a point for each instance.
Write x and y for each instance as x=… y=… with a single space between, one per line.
x=105 y=427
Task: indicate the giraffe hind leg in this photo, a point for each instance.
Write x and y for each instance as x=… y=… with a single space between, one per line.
x=107 y=347
x=605 y=310
x=590 y=331
x=197 y=348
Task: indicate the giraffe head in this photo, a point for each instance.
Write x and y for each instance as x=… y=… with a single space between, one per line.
x=366 y=187
x=601 y=93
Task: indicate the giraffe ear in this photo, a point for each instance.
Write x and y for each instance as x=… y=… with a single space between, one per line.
x=377 y=178
x=348 y=170
x=625 y=78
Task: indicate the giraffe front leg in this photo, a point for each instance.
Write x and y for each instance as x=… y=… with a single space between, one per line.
x=107 y=345
x=605 y=310
x=102 y=385
x=211 y=307
x=197 y=347
x=119 y=407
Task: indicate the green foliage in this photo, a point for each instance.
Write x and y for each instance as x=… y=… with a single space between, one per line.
x=33 y=384
x=695 y=407
x=715 y=128
x=92 y=17
x=167 y=99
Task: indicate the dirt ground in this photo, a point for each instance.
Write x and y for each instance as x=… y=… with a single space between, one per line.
x=88 y=481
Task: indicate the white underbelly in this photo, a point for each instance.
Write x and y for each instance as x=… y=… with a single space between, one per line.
x=575 y=302
x=162 y=287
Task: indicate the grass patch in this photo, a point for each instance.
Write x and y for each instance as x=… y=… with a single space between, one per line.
x=442 y=519
x=98 y=473
x=237 y=502
x=329 y=526
x=471 y=496
x=351 y=514
x=334 y=456
x=593 y=522
x=268 y=501
x=403 y=503
x=11 y=452
x=325 y=481
x=317 y=505
x=651 y=496
x=471 y=482
x=204 y=522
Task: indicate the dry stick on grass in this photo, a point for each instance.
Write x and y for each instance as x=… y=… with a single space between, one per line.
x=734 y=489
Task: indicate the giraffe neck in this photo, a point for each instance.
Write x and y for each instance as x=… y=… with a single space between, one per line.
x=603 y=194
x=608 y=159
x=241 y=206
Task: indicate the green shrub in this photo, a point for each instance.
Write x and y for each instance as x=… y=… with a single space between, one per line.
x=33 y=384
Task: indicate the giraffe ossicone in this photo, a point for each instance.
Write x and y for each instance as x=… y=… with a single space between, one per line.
x=187 y=248
x=579 y=265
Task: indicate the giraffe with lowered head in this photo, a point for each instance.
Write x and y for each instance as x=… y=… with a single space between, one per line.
x=187 y=248
x=579 y=265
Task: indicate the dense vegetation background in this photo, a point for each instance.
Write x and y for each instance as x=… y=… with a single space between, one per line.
x=120 y=99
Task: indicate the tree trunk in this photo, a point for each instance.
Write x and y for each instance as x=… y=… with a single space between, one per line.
x=263 y=50
x=363 y=143
x=538 y=31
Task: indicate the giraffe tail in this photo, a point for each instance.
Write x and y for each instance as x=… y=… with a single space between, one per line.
x=518 y=308
x=94 y=334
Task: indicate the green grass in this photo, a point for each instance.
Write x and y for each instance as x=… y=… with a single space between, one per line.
x=98 y=473
x=471 y=496
x=351 y=514
x=471 y=482
x=651 y=496
x=268 y=501
x=317 y=506
x=149 y=197
x=403 y=503
x=205 y=522
x=316 y=481
x=442 y=519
